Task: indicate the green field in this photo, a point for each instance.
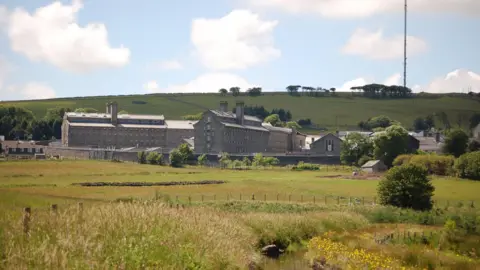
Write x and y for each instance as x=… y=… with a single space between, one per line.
x=148 y=228
x=343 y=111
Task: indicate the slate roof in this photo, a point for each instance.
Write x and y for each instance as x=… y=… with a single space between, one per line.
x=120 y=116
x=108 y=125
x=180 y=124
x=371 y=163
x=232 y=125
x=232 y=115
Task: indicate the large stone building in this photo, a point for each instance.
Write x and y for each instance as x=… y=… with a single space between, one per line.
x=328 y=145
x=225 y=131
x=113 y=130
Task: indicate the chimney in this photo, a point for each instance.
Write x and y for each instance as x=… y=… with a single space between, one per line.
x=313 y=139
x=437 y=137
x=108 y=108
x=240 y=112
x=114 y=112
x=223 y=106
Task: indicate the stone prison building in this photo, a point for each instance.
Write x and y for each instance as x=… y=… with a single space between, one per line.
x=113 y=130
x=236 y=133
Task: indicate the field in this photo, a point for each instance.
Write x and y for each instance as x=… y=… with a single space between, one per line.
x=343 y=111
x=149 y=226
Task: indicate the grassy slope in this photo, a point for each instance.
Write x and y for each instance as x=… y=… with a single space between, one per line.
x=36 y=176
x=343 y=111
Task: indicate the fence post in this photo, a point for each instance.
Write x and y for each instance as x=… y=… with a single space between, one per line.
x=301 y=198
x=277 y=197
x=228 y=197
x=289 y=197
x=374 y=200
x=215 y=197
x=26 y=219
x=176 y=198
x=240 y=196
x=189 y=199
x=253 y=197
x=338 y=199
x=325 y=199
x=349 y=201
x=313 y=199
x=202 y=197
x=264 y=197
x=54 y=208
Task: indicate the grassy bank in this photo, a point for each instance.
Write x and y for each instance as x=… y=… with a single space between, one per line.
x=343 y=111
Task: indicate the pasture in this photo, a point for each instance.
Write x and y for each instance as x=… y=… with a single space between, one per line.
x=343 y=111
x=151 y=231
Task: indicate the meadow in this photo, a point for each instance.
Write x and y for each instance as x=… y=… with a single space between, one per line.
x=343 y=111
x=147 y=227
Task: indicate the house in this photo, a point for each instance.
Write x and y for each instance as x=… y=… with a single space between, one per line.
x=430 y=144
x=374 y=166
x=329 y=145
x=476 y=132
x=22 y=149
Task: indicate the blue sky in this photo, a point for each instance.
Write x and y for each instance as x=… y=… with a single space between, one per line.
x=83 y=48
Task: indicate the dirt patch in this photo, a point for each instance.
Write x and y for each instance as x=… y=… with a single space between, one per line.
x=148 y=184
x=358 y=177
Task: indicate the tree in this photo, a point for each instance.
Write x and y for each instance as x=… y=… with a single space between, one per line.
x=456 y=142
x=474 y=120
x=468 y=166
x=202 y=160
x=224 y=159
x=223 y=91
x=473 y=146
x=293 y=89
x=155 y=158
x=235 y=91
x=122 y=112
x=254 y=91
x=391 y=143
x=354 y=147
x=186 y=152
x=407 y=186
x=273 y=119
x=380 y=121
x=419 y=124
x=304 y=122
x=293 y=124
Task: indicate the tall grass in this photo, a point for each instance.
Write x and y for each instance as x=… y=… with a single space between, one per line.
x=151 y=235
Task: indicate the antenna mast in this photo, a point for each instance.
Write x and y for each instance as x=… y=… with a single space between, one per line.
x=405 y=49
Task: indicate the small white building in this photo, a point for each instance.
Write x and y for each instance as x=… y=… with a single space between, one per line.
x=374 y=166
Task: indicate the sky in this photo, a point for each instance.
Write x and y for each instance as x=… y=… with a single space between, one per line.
x=103 y=47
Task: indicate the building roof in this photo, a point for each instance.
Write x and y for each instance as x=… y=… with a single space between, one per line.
x=280 y=129
x=120 y=116
x=180 y=124
x=21 y=144
x=232 y=115
x=429 y=144
x=232 y=125
x=108 y=125
x=345 y=133
x=372 y=163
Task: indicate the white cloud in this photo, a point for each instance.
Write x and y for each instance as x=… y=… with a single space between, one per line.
x=5 y=69
x=206 y=83
x=393 y=80
x=237 y=41
x=170 y=65
x=51 y=34
x=374 y=45
x=32 y=90
x=348 y=9
x=151 y=86
x=460 y=80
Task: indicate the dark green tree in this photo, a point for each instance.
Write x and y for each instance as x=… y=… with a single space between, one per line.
x=354 y=147
x=388 y=145
x=456 y=142
x=407 y=186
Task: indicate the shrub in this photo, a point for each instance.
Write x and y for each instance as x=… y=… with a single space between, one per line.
x=142 y=157
x=246 y=161
x=302 y=166
x=176 y=159
x=363 y=160
x=224 y=160
x=270 y=161
x=401 y=160
x=435 y=164
x=407 y=186
x=155 y=158
x=202 y=160
x=468 y=166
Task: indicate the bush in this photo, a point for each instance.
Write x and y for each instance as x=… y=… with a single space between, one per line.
x=435 y=164
x=302 y=166
x=142 y=157
x=407 y=186
x=202 y=160
x=468 y=166
x=270 y=161
x=363 y=160
x=176 y=159
x=155 y=158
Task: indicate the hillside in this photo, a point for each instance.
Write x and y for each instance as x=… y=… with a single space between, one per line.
x=343 y=111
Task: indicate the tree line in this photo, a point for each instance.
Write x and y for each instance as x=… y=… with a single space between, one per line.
x=236 y=91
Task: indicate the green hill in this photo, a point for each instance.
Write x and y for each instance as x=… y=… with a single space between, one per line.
x=343 y=111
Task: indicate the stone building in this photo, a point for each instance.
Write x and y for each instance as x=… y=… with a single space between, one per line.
x=113 y=130
x=225 y=131
x=329 y=145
